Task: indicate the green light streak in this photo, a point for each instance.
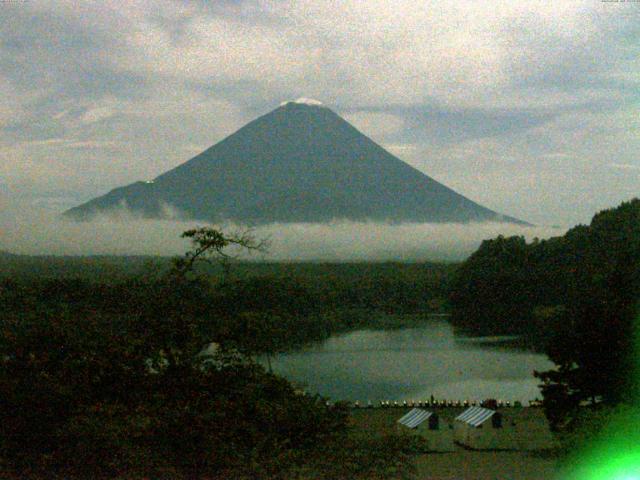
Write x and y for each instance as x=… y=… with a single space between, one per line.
x=615 y=453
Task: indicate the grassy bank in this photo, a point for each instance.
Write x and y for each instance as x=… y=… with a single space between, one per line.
x=462 y=464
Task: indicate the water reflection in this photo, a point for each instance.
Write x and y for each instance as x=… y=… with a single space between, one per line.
x=414 y=363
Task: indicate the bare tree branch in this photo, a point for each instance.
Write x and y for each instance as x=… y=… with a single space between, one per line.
x=210 y=243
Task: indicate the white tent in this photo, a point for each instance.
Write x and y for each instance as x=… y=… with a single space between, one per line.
x=472 y=429
x=414 y=418
x=439 y=438
x=515 y=429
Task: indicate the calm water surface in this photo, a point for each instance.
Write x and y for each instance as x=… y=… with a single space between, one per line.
x=412 y=364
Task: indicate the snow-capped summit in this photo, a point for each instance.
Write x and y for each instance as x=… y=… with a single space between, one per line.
x=304 y=101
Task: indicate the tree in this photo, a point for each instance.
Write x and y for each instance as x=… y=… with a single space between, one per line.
x=113 y=381
x=592 y=342
x=209 y=243
x=574 y=297
x=492 y=291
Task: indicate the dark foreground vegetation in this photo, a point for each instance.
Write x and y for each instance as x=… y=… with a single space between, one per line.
x=393 y=287
x=576 y=298
x=261 y=308
x=118 y=377
x=144 y=368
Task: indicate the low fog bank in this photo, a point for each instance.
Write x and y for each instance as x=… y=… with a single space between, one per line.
x=375 y=241
x=37 y=231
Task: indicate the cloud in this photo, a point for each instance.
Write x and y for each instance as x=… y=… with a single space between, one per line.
x=70 y=143
x=401 y=150
x=96 y=114
x=106 y=93
x=624 y=166
x=378 y=125
x=359 y=241
x=350 y=52
x=37 y=229
x=556 y=156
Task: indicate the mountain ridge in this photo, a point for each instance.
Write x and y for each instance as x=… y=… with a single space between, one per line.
x=301 y=162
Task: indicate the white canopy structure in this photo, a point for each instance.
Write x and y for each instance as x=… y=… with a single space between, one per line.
x=427 y=425
x=517 y=429
x=414 y=418
x=475 y=416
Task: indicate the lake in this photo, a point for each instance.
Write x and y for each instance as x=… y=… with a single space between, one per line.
x=413 y=364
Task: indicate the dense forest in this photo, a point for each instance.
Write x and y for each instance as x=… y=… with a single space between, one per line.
x=575 y=297
x=151 y=374
x=397 y=287
x=272 y=313
x=274 y=306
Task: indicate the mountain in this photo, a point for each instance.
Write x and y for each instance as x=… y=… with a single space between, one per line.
x=299 y=163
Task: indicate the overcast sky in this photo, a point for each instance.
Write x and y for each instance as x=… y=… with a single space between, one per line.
x=528 y=107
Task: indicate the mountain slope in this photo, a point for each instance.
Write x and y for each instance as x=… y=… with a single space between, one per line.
x=298 y=163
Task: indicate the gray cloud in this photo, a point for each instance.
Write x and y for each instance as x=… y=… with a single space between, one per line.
x=37 y=229
x=522 y=107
